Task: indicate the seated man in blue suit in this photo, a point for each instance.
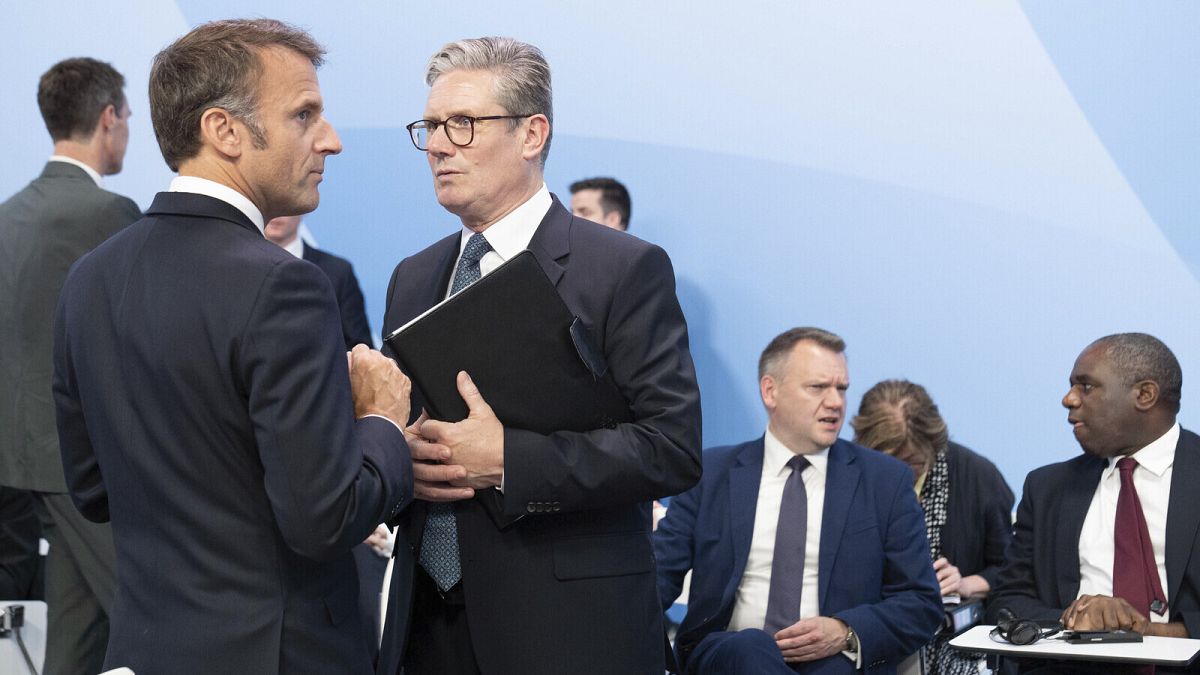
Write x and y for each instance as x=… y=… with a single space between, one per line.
x=808 y=553
x=1109 y=539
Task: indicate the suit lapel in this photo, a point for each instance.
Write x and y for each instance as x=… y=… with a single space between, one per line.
x=1077 y=496
x=1183 y=510
x=551 y=242
x=841 y=483
x=744 y=479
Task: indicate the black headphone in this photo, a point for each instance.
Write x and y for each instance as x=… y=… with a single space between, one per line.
x=1022 y=631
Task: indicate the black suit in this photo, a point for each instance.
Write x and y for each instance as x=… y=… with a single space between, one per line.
x=1040 y=577
x=978 y=516
x=355 y=329
x=204 y=405
x=44 y=228
x=571 y=586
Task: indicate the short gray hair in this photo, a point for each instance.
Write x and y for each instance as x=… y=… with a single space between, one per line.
x=1138 y=357
x=522 y=75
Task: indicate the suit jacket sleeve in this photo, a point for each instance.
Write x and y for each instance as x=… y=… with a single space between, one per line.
x=910 y=608
x=997 y=522
x=324 y=499
x=658 y=454
x=673 y=547
x=1017 y=584
x=84 y=480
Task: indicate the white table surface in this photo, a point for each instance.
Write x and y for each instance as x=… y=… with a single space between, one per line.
x=1151 y=650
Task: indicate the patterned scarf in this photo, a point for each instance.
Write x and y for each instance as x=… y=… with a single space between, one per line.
x=940 y=658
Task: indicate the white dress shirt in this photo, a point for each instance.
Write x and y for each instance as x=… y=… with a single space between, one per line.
x=296 y=248
x=508 y=236
x=1152 y=479
x=95 y=175
x=204 y=186
x=750 y=606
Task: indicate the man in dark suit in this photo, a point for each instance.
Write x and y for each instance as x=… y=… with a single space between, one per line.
x=807 y=552
x=562 y=579
x=284 y=231
x=44 y=228
x=1111 y=538
x=201 y=384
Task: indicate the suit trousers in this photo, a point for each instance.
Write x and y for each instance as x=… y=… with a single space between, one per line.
x=80 y=585
x=753 y=651
x=439 y=642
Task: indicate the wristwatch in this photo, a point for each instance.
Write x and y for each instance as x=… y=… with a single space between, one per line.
x=851 y=644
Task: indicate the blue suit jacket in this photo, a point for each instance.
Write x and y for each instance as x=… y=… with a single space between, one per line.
x=874 y=572
x=204 y=406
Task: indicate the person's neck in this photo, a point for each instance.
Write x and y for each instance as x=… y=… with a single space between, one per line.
x=221 y=172
x=284 y=243
x=1153 y=432
x=482 y=224
x=86 y=152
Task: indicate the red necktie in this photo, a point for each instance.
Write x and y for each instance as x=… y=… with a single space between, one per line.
x=1135 y=574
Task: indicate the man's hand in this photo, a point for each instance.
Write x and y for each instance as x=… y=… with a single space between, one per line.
x=378 y=386
x=1101 y=612
x=432 y=478
x=948 y=576
x=476 y=443
x=812 y=639
x=380 y=540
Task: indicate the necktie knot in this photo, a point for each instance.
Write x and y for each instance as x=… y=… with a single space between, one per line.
x=477 y=247
x=1126 y=465
x=798 y=463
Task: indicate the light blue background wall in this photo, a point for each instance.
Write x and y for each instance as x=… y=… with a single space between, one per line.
x=968 y=192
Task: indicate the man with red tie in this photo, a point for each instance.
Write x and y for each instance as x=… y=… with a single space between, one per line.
x=1106 y=540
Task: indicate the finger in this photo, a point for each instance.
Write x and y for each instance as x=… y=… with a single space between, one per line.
x=415 y=428
x=940 y=563
x=440 y=492
x=438 y=473
x=470 y=394
x=423 y=450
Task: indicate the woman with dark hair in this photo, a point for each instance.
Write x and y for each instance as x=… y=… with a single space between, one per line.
x=967 y=504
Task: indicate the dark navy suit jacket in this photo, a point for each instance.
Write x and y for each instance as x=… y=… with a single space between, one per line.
x=355 y=329
x=1040 y=577
x=874 y=571
x=569 y=588
x=204 y=407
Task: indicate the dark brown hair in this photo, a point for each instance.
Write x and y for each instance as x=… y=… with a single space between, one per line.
x=217 y=65
x=73 y=94
x=780 y=347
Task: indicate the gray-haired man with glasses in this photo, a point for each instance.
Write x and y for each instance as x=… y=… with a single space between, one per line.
x=567 y=583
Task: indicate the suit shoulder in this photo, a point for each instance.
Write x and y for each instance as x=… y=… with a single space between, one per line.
x=973 y=461
x=330 y=261
x=1053 y=474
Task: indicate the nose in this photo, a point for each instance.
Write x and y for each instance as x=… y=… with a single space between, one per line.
x=329 y=143
x=439 y=143
x=835 y=399
x=1071 y=399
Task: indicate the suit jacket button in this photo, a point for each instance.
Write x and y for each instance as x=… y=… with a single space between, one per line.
x=529 y=507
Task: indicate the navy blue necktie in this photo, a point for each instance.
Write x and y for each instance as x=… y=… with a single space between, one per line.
x=787 y=562
x=439 y=542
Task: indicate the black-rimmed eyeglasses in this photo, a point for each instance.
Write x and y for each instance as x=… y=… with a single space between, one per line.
x=460 y=129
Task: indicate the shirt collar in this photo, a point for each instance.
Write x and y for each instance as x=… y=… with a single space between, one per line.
x=511 y=234
x=296 y=248
x=776 y=455
x=1156 y=457
x=94 y=174
x=204 y=186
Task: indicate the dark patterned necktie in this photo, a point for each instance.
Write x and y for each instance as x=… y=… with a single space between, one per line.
x=787 y=562
x=439 y=542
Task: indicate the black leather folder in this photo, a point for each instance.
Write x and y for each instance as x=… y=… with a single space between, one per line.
x=534 y=362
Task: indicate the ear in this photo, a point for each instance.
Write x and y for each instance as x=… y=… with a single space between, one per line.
x=535 y=137
x=220 y=131
x=613 y=219
x=1145 y=395
x=766 y=389
x=108 y=118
